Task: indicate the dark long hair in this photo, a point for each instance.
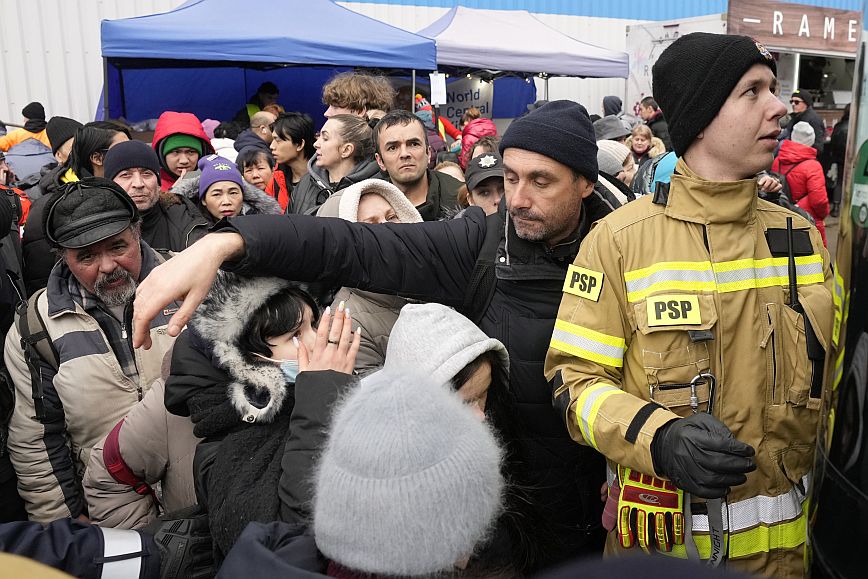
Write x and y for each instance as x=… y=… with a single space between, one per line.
x=281 y=313
x=88 y=140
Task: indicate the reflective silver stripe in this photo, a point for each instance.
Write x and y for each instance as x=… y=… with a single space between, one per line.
x=769 y=271
x=759 y=510
x=121 y=542
x=588 y=344
x=685 y=275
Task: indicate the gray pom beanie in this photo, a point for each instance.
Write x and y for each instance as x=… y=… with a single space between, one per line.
x=409 y=482
x=438 y=341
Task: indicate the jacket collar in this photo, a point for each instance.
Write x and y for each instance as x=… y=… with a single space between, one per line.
x=519 y=259
x=694 y=199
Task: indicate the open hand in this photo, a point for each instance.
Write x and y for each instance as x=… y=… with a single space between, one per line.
x=336 y=344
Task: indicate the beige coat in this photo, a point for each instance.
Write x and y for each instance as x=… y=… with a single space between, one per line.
x=617 y=341
x=157 y=447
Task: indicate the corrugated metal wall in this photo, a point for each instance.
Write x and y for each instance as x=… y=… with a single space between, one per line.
x=50 y=52
x=50 y=49
x=607 y=32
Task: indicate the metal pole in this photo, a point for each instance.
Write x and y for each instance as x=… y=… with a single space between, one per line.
x=546 y=87
x=413 y=94
x=105 y=90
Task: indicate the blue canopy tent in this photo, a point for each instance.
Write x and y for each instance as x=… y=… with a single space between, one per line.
x=207 y=57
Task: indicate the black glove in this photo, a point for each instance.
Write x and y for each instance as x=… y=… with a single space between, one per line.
x=700 y=455
x=184 y=541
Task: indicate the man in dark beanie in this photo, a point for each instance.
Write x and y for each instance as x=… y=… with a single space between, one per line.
x=689 y=365
x=86 y=313
x=169 y=221
x=61 y=134
x=504 y=271
x=34 y=128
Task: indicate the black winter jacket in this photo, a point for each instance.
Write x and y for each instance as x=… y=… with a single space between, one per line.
x=442 y=199
x=660 y=129
x=434 y=261
x=314 y=188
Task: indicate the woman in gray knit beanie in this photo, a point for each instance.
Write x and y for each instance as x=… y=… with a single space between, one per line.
x=409 y=483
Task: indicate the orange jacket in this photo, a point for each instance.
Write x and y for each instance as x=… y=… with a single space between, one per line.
x=18 y=135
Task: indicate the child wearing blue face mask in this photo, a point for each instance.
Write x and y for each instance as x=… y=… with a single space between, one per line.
x=252 y=382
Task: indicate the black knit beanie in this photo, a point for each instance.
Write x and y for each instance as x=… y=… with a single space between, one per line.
x=60 y=130
x=560 y=130
x=34 y=110
x=129 y=155
x=695 y=75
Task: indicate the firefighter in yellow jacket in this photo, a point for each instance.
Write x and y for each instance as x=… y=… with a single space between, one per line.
x=689 y=344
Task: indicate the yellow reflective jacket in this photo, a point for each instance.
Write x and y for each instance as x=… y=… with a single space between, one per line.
x=664 y=289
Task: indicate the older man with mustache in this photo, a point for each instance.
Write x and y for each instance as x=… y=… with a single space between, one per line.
x=78 y=374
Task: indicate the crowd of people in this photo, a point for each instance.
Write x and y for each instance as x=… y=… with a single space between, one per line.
x=395 y=347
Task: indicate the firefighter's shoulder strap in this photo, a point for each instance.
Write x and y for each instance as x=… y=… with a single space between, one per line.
x=37 y=347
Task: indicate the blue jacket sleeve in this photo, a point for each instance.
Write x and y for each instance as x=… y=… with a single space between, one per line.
x=82 y=549
x=430 y=261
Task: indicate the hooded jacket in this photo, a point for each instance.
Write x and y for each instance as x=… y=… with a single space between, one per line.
x=811 y=117
x=472 y=132
x=172 y=123
x=247 y=138
x=806 y=181
x=254 y=200
x=434 y=261
x=260 y=432
x=314 y=188
x=374 y=313
x=173 y=223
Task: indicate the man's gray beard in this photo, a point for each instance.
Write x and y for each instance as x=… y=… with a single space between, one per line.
x=118 y=296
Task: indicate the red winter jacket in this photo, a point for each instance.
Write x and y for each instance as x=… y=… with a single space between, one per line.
x=806 y=180
x=171 y=123
x=472 y=132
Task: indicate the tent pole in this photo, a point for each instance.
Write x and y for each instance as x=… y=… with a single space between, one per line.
x=413 y=94
x=546 y=87
x=105 y=91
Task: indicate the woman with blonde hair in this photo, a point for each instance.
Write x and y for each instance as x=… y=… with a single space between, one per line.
x=644 y=145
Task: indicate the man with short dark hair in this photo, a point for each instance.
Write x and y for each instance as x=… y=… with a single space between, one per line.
x=505 y=271
x=169 y=222
x=64 y=406
x=402 y=153
x=653 y=117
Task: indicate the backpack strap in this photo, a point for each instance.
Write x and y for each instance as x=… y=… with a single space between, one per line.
x=119 y=469
x=37 y=346
x=480 y=288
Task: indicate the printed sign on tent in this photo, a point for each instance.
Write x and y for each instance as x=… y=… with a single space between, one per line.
x=463 y=93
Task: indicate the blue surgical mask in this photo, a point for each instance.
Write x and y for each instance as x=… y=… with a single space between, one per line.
x=290 y=370
x=288 y=367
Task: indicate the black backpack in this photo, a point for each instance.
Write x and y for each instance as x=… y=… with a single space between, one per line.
x=785 y=197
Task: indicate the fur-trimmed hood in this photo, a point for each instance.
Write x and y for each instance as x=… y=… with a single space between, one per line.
x=220 y=320
x=255 y=201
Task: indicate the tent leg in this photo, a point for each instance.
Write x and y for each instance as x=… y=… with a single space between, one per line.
x=413 y=94
x=105 y=90
x=546 y=88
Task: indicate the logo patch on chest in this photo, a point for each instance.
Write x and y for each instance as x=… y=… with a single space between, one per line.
x=673 y=310
x=583 y=283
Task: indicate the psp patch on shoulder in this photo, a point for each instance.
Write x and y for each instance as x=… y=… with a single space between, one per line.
x=583 y=283
x=673 y=310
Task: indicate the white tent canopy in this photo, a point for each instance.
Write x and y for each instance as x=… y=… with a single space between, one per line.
x=515 y=41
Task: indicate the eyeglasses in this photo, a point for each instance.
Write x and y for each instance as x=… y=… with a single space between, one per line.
x=796 y=102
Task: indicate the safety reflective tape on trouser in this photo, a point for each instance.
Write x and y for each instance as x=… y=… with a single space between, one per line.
x=588 y=344
x=588 y=406
x=116 y=543
x=722 y=277
x=759 y=524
